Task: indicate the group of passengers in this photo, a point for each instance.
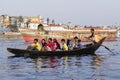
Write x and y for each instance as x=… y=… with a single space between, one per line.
x=54 y=45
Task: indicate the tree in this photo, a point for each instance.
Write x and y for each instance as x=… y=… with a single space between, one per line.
x=53 y=21
x=27 y=23
x=20 y=19
x=48 y=20
x=40 y=27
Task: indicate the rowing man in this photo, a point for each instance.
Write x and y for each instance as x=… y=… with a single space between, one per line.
x=94 y=37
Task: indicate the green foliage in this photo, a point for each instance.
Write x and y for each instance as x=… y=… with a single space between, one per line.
x=20 y=19
x=40 y=27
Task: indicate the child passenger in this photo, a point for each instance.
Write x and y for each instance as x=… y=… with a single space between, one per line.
x=43 y=43
x=64 y=46
x=79 y=44
x=70 y=44
x=57 y=45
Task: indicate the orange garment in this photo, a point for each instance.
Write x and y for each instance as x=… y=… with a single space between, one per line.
x=97 y=38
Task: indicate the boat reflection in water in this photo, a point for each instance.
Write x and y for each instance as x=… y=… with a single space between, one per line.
x=65 y=62
x=73 y=67
x=80 y=64
x=97 y=62
x=38 y=64
x=46 y=62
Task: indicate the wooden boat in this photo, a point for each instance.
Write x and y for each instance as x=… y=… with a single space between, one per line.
x=88 y=49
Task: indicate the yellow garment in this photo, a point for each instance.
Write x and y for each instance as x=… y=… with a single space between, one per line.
x=64 y=47
x=37 y=45
x=97 y=38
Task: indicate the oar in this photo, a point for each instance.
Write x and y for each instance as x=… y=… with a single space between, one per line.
x=108 y=49
x=103 y=46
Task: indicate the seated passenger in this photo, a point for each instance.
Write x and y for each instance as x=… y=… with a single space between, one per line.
x=57 y=45
x=79 y=44
x=43 y=43
x=70 y=44
x=47 y=48
x=35 y=46
x=51 y=44
x=64 y=46
x=75 y=43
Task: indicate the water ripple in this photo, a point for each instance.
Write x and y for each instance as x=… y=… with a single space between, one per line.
x=102 y=66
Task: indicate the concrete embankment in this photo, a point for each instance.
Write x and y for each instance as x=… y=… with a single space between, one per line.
x=10 y=36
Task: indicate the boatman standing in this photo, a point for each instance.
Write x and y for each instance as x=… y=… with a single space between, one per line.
x=94 y=37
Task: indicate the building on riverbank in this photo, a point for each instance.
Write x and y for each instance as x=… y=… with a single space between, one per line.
x=4 y=20
x=31 y=22
x=20 y=21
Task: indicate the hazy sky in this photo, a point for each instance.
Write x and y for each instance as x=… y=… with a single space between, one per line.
x=82 y=12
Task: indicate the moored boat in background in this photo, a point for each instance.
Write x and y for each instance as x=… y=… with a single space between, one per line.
x=118 y=34
x=60 y=32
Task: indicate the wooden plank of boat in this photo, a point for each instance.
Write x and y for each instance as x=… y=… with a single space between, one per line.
x=87 y=50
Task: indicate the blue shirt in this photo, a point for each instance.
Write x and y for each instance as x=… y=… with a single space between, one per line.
x=80 y=45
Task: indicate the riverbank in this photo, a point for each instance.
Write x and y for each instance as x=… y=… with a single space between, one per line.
x=10 y=36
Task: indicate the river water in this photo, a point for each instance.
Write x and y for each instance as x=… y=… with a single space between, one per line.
x=103 y=66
